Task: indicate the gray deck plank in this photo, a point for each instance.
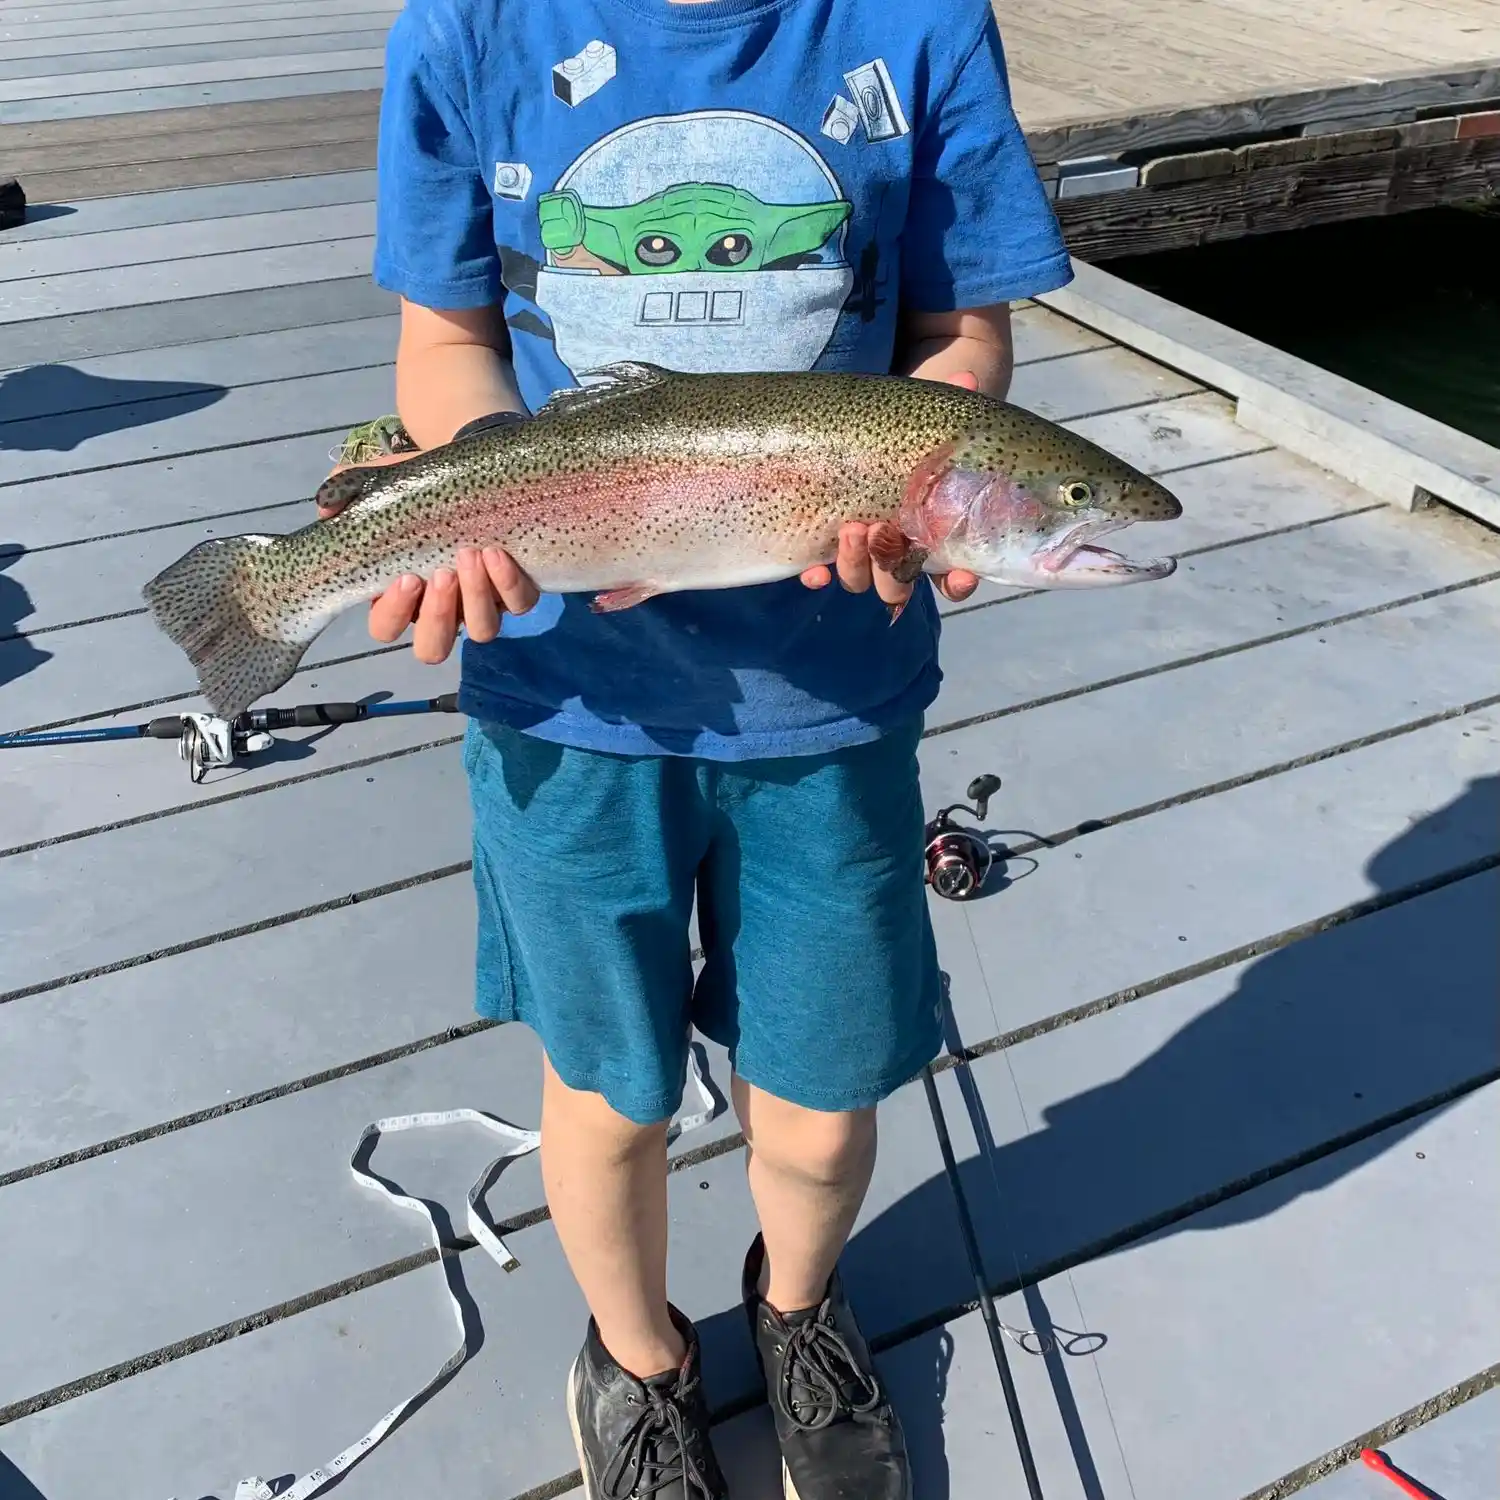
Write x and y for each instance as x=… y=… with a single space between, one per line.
x=343 y=1231
x=1068 y=387
x=78 y=1075
x=93 y=335
x=60 y=60
x=84 y=38
x=191 y=205
x=1174 y=434
x=112 y=381
x=67 y=790
x=1046 y=757
x=251 y=414
x=1214 y=602
x=1453 y=1456
x=1172 y=874
x=1143 y=1113
x=322 y=258
x=106 y=130
x=78 y=87
x=219 y=482
x=123 y=12
x=1265 y=821
x=49 y=168
x=1303 y=1304
x=127 y=248
x=69 y=106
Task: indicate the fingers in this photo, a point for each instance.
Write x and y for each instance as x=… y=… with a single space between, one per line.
x=957 y=585
x=517 y=592
x=966 y=378
x=395 y=609
x=436 y=626
x=858 y=570
x=480 y=609
x=853 y=565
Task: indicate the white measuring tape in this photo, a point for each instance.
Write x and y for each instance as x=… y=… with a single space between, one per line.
x=523 y=1142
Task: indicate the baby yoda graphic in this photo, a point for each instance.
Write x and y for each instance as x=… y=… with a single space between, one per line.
x=699 y=242
x=695 y=226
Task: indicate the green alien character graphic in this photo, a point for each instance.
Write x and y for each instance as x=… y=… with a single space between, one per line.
x=693 y=226
x=706 y=241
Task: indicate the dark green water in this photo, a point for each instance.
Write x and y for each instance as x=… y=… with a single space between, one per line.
x=1408 y=306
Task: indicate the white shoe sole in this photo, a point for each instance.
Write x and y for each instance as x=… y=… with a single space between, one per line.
x=583 y=1468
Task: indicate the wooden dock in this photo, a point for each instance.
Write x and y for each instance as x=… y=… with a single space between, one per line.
x=1232 y=1080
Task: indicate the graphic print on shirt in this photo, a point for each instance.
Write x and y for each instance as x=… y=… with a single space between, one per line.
x=699 y=242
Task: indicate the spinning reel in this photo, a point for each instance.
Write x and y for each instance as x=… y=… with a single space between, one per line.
x=959 y=858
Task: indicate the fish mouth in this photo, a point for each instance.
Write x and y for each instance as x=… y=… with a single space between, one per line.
x=1078 y=558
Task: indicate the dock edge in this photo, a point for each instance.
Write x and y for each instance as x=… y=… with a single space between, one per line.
x=1399 y=455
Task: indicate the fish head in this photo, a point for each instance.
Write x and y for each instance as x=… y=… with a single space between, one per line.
x=1032 y=514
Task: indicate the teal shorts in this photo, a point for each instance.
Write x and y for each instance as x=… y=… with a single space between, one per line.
x=819 y=969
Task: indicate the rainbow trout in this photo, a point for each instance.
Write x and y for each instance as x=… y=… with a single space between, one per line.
x=650 y=482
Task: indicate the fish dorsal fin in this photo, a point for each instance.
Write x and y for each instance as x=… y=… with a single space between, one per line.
x=627 y=377
x=349 y=485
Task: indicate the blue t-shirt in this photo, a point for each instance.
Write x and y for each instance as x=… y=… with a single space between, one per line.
x=728 y=185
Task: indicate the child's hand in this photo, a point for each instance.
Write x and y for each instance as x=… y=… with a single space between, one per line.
x=857 y=570
x=474 y=594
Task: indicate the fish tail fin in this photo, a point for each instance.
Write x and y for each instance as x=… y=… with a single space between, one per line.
x=199 y=601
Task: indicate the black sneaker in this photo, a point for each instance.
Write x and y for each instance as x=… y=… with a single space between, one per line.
x=640 y=1438
x=839 y=1437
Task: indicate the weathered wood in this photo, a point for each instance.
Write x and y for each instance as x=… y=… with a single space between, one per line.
x=1292 y=195
x=109 y=130
x=205 y=171
x=182 y=146
x=1260 y=111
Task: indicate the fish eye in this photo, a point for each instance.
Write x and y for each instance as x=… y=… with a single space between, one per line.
x=1077 y=493
x=729 y=250
x=656 y=250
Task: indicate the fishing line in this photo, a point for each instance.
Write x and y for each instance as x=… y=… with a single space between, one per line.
x=993 y=1326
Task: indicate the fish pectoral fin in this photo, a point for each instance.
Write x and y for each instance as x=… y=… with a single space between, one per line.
x=896 y=553
x=625 y=598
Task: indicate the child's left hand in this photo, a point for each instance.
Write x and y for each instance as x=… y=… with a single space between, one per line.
x=857 y=570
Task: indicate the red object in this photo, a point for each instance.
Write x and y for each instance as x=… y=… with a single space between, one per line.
x=1378 y=1462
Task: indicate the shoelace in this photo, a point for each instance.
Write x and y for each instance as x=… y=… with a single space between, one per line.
x=816 y=1372
x=638 y=1470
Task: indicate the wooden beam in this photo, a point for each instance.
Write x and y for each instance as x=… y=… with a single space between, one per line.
x=1206 y=124
x=1287 y=195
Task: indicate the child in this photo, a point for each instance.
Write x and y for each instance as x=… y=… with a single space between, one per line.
x=704 y=185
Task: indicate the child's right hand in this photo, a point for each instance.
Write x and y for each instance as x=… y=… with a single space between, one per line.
x=483 y=585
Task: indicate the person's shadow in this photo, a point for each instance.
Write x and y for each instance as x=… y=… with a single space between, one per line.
x=1325 y=1054
x=18 y=656
x=54 y=408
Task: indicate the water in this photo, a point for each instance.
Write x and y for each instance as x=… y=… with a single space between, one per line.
x=1408 y=306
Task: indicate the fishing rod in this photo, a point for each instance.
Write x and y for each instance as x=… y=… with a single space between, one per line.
x=992 y=1324
x=205 y=741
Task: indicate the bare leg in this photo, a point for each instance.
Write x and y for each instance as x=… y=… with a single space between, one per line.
x=606 y=1182
x=809 y=1172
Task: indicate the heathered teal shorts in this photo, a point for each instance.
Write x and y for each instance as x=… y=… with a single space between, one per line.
x=820 y=972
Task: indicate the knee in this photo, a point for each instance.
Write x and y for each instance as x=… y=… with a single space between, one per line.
x=824 y=1149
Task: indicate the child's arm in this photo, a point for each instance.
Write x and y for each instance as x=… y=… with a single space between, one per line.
x=976 y=340
x=452 y=367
